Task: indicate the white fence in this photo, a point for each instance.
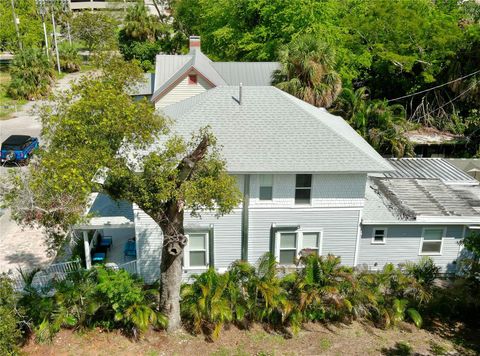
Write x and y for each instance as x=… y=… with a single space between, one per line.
x=44 y=277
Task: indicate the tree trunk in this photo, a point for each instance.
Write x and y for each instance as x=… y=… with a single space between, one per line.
x=171 y=265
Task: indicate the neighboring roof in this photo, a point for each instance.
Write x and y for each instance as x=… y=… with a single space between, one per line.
x=431 y=136
x=15 y=140
x=144 y=87
x=471 y=166
x=429 y=168
x=247 y=73
x=410 y=199
x=272 y=131
x=170 y=68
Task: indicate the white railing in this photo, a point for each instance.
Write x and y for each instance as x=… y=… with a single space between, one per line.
x=130 y=267
x=44 y=277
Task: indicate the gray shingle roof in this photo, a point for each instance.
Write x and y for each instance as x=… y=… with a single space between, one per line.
x=247 y=73
x=170 y=68
x=429 y=168
x=272 y=131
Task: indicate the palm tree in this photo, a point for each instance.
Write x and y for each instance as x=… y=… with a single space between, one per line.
x=140 y=25
x=381 y=124
x=307 y=71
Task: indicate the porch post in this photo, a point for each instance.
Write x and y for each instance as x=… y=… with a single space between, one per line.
x=86 y=246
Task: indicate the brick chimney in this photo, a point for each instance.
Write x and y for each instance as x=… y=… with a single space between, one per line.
x=194 y=43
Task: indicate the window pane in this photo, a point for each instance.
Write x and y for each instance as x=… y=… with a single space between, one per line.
x=287 y=257
x=303 y=180
x=198 y=258
x=266 y=180
x=288 y=240
x=265 y=193
x=378 y=238
x=302 y=196
x=197 y=241
x=379 y=232
x=431 y=247
x=310 y=240
x=433 y=234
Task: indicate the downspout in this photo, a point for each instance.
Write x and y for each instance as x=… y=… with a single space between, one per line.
x=359 y=235
x=245 y=216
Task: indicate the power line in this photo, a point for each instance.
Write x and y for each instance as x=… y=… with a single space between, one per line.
x=436 y=87
x=449 y=102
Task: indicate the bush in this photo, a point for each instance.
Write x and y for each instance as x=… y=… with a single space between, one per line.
x=32 y=75
x=423 y=271
x=69 y=59
x=10 y=334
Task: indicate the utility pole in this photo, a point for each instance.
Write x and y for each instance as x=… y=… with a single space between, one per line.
x=15 y=21
x=43 y=12
x=55 y=41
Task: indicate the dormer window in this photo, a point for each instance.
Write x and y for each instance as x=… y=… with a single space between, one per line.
x=192 y=79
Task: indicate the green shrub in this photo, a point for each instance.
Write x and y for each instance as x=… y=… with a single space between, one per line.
x=32 y=75
x=10 y=334
x=69 y=59
x=425 y=271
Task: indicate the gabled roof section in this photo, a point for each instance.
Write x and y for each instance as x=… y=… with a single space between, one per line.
x=429 y=168
x=247 y=73
x=170 y=68
x=272 y=131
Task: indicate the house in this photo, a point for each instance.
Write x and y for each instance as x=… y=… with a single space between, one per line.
x=425 y=207
x=179 y=77
x=308 y=181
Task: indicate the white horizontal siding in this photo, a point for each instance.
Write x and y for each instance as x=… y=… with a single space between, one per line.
x=183 y=91
x=328 y=190
x=149 y=245
x=339 y=226
x=403 y=244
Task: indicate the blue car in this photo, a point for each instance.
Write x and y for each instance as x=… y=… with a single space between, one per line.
x=18 y=149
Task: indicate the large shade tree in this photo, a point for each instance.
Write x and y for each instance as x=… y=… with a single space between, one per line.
x=308 y=71
x=85 y=131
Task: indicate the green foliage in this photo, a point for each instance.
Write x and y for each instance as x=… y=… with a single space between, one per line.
x=381 y=124
x=424 y=271
x=307 y=71
x=30 y=26
x=32 y=75
x=10 y=334
x=205 y=303
x=86 y=299
x=145 y=35
x=69 y=59
x=97 y=30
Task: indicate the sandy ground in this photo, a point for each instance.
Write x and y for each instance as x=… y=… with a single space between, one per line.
x=18 y=246
x=313 y=339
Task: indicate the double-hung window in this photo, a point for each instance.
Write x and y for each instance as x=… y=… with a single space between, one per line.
x=266 y=187
x=303 y=188
x=196 y=251
x=292 y=244
x=432 y=241
x=379 y=236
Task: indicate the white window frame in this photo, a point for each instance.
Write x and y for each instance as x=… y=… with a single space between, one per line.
x=444 y=233
x=299 y=240
x=260 y=186
x=385 y=233
x=303 y=188
x=186 y=251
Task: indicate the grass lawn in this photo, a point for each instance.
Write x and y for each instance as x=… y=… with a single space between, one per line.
x=7 y=104
x=313 y=339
